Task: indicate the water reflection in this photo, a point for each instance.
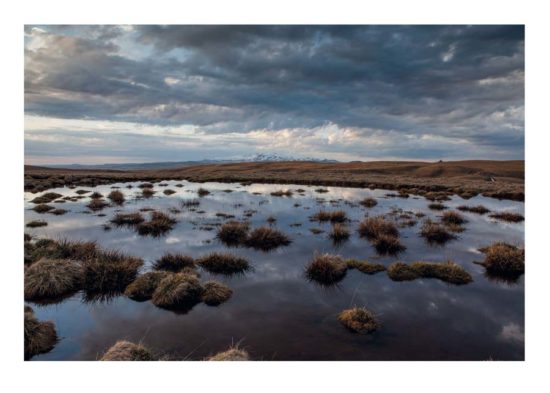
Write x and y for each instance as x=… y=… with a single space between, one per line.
x=274 y=310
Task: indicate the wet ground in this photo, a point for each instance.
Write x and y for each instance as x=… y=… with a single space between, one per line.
x=275 y=313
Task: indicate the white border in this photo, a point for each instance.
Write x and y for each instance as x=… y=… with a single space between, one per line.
x=275 y=376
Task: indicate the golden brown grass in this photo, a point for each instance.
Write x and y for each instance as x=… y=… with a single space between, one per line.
x=507 y=216
x=215 y=293
x=435 y=233
x=223 y=263
x=233 y=233
x=127 y=351
x=97 y=204
x=265 y=238
x=202 y=192
x=453 y=218
x=479 y=209
x=365 y=266
x=359 y=320
x=46 y=198
x=504 y=260
x=116 y=197
x=128 y=219
x=374 y=227
x=448 y=272
x=52 y=278
x=174 y=262
x=40 y=337
x=158 y=225
x=339 y=233
x=326 y=269
x=143 y=286
x=368 y=202
x=177 y=290
x=147 y=192
x=332 y=216
x=232 y=354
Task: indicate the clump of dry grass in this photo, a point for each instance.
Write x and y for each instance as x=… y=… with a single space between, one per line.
x=146 y=185
x=127 y=219
x=202 y=192
x=174 y=262
x=281 y=193
x=316 y=231
x=449 y=272
x=435 y=233
x=127 y=351
x=326 y=269
x=52 y=278
x=158 y=225
x=63 y=249
x=178 y=291
x=96 y=195
x=437 y=206
x=109 y=272
x=374 y=227
x=223 y=263
x=143 y=286
x=40 y=337
x=232 y=354
x=233 y=232
x=43 y=208
x=36 y=224
x=321 y=190
x=97 y=204
x=359 y=320
x=332 y=216
x=215 y=293
x=82 y=192
x=265 y=238
x=46 y=198
x=365 y=266
x=479 y=209
x=58 y=212
x=189 y=203
x=508 y=217
x=147 y=192
x=368 y=202
x=387 y=244
x=453 y=218
x=116 y=197
x=271 y=220
x=169 y=192
x=339 y=232
x=503 y=260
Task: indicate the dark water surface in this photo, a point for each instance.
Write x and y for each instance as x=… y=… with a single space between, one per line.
x=275 y=313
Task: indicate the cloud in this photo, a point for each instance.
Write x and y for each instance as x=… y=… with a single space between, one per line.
x=461 y=86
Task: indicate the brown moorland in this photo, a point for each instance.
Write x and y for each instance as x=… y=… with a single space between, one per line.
x=497 y=179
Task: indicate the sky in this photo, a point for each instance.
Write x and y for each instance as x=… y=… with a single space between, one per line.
x=119 y=94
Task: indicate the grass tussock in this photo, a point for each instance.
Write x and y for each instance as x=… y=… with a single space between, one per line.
x=387 y=244
x=321 y=190
x=316 y=231
x=339 y=233
x=326 y=269
x=215 y=293
x=127 y=351
x=142 y=288
x=177 y=291
x=158 y=225
x=58 y=212
x=232 y=354
x=43 y=208
x=97 y=204
x=233 y=233
x=282 y=193
x=201 y=192
x=359 y=320
x=62 y=249
x=82 y=192
x=453 y=218
x=374 y=227
x=116 y=197
x=365 y=266
x=265 y=238
x=190 y=203
x=146 y=185
x=52 y=279
x=448 y=272
x=503 y=260
x=435 y=233
x=368 y=202
x=508 y=217
x=223 y=263
x=96 y=195
x=40 y=337
x=437 y=206
x=109 y=272
x=36 y=224
x=46 y=198
x=147 y=192
x=129 y=219
x=479 y=209
x=332 y=216
x=174 y=262
x=168 y=192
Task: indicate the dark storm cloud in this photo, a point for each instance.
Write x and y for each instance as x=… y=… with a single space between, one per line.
x=454 y=82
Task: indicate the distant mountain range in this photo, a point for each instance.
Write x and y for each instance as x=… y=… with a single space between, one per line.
x=261 y=157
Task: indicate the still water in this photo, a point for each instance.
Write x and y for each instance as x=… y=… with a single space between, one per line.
x=275 y=313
